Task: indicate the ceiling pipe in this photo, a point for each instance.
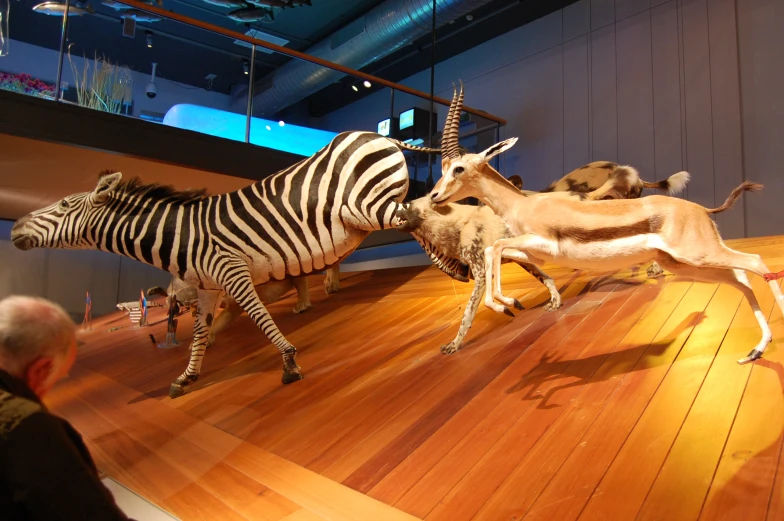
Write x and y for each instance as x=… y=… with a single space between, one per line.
x=387 y=28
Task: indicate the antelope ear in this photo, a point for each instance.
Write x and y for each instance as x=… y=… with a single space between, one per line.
x=106 y=185
x=496 y=149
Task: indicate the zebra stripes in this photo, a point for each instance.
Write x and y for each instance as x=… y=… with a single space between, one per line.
x=298 y=221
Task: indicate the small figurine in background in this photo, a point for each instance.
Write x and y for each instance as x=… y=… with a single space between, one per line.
x=88 y=312
x=171 y=324
x=143 y=309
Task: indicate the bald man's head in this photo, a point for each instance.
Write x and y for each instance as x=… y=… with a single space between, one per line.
x=37 y=341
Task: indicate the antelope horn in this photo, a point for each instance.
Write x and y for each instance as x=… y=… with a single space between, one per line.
x=450 y=141
x=448 y=121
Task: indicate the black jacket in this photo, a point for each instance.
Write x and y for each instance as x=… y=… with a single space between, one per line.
x=46 y=471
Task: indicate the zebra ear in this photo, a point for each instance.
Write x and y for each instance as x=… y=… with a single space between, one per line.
x=106 y=185
x=496 y=149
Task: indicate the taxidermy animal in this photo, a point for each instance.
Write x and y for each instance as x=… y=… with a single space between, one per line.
x=461 y=231
x=269 y=293
x=140 y=16
x=601 y=235
x=274 y=4
x=231 y=4
x=58 y=9
x=303 y=219
x=252 y=14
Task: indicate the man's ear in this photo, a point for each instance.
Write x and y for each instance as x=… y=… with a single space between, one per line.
x=38 y=373
x=496 y=149
x=105 y=187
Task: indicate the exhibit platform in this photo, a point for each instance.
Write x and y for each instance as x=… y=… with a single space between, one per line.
x=625 y=404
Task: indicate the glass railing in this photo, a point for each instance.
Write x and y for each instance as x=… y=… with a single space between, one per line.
x=141 y=61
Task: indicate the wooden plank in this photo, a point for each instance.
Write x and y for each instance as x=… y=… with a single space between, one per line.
x=744 y=481
x=682 y=484
x=589 y=439
x=550 y=371
x=760 y=41
x=627 y=8
x=604 y=109
x=668 y=157
x=602 y=13
x=638 y=462
x=635 y=93
x=725 y=108
x=577 y=123
x=697 y=101
x=488 y=476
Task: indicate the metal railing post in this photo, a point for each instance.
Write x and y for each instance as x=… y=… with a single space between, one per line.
x=63 y=39
x=251 y=74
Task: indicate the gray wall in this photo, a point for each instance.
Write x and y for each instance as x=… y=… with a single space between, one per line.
x=64 y=276
x=661 y=85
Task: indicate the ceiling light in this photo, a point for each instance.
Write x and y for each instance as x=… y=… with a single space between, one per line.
x=366 y=84
x=281 y=123
x=355 y=88
x=245 y=67
x=149 y=38
x=268 y=127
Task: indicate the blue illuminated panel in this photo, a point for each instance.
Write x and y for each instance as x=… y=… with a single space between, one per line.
x=383 y=127
x=406 y=119
x=303 y=141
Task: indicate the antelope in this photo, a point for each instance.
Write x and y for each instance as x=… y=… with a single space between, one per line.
x=601 y=235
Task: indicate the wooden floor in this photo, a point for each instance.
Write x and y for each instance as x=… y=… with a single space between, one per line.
x=626 y=404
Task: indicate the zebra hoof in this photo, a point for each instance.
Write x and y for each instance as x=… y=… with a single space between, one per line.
x=176 y=390
x=290 y=377
x=517 y=305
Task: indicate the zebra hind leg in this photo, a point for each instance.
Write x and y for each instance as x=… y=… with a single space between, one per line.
x=205 y=315
x=240 y=286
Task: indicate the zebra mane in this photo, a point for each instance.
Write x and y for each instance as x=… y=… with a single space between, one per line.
x=135 y=187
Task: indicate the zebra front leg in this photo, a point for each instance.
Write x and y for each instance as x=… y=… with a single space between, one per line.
x=205 y=314
x=469 y=313
x=239 y=285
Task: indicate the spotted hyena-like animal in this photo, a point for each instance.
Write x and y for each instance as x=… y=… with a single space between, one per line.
x=461 y=231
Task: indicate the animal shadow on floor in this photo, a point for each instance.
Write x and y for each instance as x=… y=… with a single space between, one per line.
x=552 y=368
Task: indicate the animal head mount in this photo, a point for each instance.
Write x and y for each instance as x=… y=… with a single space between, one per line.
x=410 y=216
x=461 y=171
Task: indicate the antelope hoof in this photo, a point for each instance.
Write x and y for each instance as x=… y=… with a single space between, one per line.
x=754 y=355
x=176 y=390
x=450 y=348
x=517 y=305
x=508 y=311
x=290 y=376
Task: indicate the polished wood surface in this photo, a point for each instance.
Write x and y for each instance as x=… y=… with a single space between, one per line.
x=625 y=404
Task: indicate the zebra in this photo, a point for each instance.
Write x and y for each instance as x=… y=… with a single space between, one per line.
x=302 y=219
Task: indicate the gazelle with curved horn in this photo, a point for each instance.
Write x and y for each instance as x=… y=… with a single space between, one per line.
x=601 y=235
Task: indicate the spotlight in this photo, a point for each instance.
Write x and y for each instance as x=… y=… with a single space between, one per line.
x=268 y=127
x=281 y=123
x=366 y=84
x=149 y=38
x=355 y=88
x=245 y=67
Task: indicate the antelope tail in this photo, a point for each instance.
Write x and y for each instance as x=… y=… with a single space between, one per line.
x=746 y=186
x=673 y=184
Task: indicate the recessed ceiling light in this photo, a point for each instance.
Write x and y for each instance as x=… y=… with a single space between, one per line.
x=366 y=84
x=354 y=87
x=281 y=123
x=268 y=127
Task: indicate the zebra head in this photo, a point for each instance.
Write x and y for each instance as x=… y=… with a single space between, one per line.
x=64 y=224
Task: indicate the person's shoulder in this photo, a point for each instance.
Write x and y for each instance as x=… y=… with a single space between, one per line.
x=14 y=410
